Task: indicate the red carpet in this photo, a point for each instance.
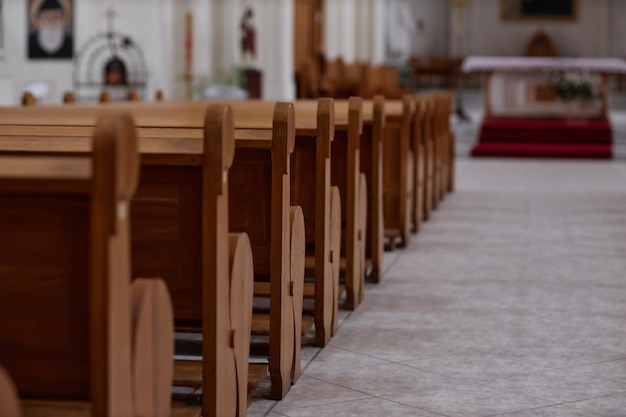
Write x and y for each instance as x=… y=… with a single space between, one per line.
x=545 y=138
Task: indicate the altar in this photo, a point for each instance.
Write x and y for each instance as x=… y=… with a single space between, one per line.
x=555 y=107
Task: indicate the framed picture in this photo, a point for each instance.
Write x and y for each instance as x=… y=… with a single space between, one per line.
x=50 y=29
x=516 y=10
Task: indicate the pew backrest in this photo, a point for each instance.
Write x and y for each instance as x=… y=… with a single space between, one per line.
x=65 y=275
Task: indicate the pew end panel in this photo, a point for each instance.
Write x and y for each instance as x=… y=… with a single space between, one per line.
x=372 y=141
x=397 y=174
x=429 y=155
x=82 y=244
x=310 y=170
x=417 y=144
x=261 y=174
x=346 y=166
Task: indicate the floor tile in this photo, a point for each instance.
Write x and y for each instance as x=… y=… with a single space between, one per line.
x=309 y=392
x=462 y=399
x=560 y=386
x=374 y=407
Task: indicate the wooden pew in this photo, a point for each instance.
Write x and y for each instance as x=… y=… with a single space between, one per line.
x=346 y=176
x=72 y=323
x=273 y=233
x=371 y=166
x=311 y=190
x=428 y=104
x=449 y=143
x=398 y=168
x=310 y=170
x=9 y=401
x=225 y=270
x=443 y=146
x=419 y=173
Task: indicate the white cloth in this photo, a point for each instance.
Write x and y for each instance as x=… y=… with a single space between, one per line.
x=487 y=63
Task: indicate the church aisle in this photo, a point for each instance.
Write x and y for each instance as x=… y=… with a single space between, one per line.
x=510 y=302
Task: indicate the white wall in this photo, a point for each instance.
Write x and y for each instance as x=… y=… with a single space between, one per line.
x=355 y=30
x=590 y=35
x=617 y=36
x=149 y=22
x=158 y=27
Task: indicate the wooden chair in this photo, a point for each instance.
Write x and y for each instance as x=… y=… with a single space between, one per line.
x=309 y=80
x=28 y=99
x=415 y=63
x=439 y=68
x=108 y=343
x=390 y=84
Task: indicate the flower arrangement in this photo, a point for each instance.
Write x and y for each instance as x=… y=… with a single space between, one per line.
x=571 y=85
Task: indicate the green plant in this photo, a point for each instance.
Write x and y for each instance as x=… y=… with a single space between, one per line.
x=572 y=85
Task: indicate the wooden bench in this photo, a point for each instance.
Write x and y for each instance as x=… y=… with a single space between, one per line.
x=419 y=173
x=448 y=143
x=370 y=165
x=440 y=150
x=346 y=176
x=74 y=328
x=310 y=170
x=398 y=169
x=383 y=80
x=267 y=220
x=428 y=103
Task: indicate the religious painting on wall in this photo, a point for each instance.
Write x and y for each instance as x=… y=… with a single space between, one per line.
x=513 y=10
x=50 y=29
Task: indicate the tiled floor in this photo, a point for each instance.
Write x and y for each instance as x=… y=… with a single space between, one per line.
x=510 y=302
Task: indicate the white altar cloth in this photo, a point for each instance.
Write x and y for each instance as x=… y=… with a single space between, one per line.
x=523 y=64
x=522 y=87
